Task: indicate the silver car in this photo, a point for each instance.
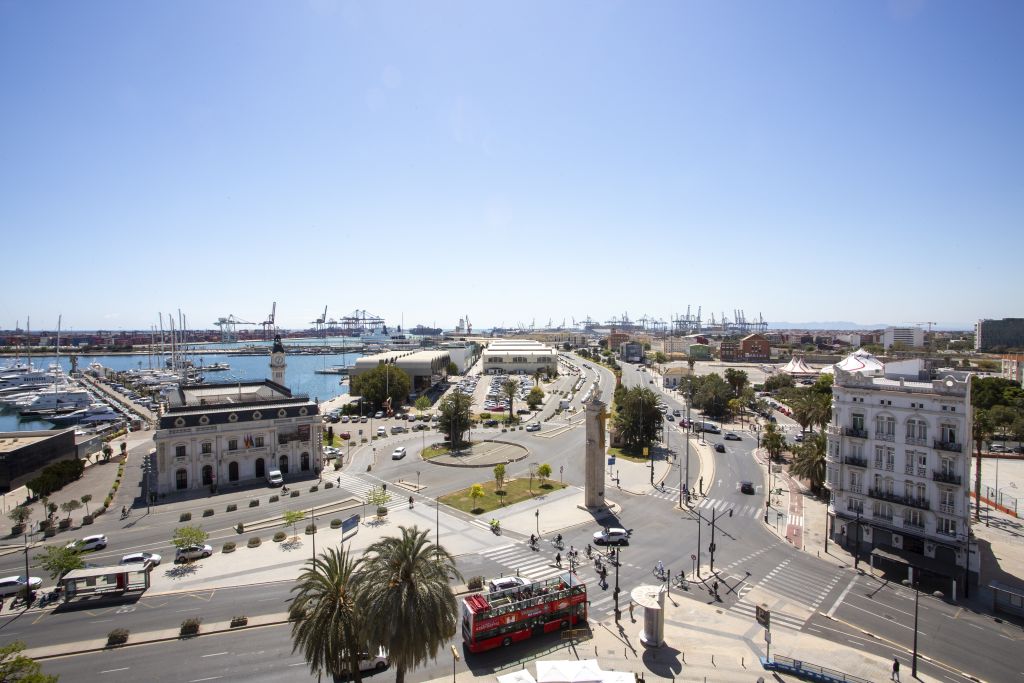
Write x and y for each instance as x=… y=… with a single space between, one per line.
x=11 y=585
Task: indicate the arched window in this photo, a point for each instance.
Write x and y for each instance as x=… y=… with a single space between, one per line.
x=260 y=471
x=207 y=475
x=304 y=463
x=233 y=471
x=283 y=464
x=181 y=479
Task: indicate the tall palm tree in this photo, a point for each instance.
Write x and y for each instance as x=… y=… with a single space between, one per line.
x=802 y=406
x=537 y=374
x=809 y=462
x=510 y=387
x=773 y=441
x=821 y=409
x=406 y=601
x=328 y=628
x=981 y=429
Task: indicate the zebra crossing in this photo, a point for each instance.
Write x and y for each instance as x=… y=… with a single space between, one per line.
x=723 y=506
x=360 y=486
x=802 y=587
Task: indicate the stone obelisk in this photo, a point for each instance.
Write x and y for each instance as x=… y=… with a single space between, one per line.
x=594 y=466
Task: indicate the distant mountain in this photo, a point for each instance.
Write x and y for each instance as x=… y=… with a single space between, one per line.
x=847 y=325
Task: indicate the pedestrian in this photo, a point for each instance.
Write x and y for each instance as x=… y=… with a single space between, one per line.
x=631 y=611
x=895 y=669
x=714 y=587
x=558 y=559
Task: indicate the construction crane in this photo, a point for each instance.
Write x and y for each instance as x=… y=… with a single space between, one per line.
x=268 y=325
x=229 y=327
x=320 y=324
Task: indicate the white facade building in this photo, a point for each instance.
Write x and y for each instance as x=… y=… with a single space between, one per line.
x=221 y=435
x=910 y=337
x=518 y=356
x=898 y=464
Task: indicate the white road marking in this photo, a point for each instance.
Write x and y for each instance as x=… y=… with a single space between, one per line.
x=842 y=596
x=215 y=654
x=210 y=678
x=110 y=671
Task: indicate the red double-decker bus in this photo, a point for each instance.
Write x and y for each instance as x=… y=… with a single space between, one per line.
x=501 y=618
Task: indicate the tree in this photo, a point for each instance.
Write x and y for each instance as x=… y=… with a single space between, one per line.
x=17 y=668
x=404 y=595
x=981 y=430
x=85 y=501
x=330 y=625
x=59 y=560
x=773 y=441
x=660 y=357
x=454 y=417
x=737 y=379
x=736 y=408
x=535 y=398
x=566 y=346
x=690 y=362
x=543 y=473
x=184 y=536
x=377 y=496
x=510 y=388
x=108 y=452
x=802 y=405
x=20 y=515
x=780 y=381
x=636 y=416
x=809 y=460
x=453 y=369
x=422 y=403
x=537 y=374
x=293 y=517
x=476 y=492
x=380 y=384
x=712 y=395
x=499 y=477
x=70 y=506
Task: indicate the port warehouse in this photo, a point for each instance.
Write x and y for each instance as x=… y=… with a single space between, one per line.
x=425 y=368
x=518 y=356
x=23 y=455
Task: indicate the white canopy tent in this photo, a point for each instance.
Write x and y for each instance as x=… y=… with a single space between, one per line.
x=860 y=361
x=569 y=671
x=797 y=366
x=522 y=676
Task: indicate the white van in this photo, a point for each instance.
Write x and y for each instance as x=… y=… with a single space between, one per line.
x=505 y=583
x=398 y=453
x=709 y=427
x=274 y=478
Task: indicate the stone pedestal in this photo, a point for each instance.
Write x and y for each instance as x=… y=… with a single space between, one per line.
x=594 y=464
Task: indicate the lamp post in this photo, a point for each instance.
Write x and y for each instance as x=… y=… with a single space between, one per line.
x=912 y=582
x=417 y=480
x=536 y=513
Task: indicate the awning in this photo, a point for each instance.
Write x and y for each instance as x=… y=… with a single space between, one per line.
x=522 y=676
x=911 y=559
x=569 y=671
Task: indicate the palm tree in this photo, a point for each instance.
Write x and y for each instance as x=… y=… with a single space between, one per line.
x=510 y=387
x=329 y=626
x=981 y=429
x=773 y=441
x=537 y=374
x=406 y=601
x=809 y=461
x=802 y=406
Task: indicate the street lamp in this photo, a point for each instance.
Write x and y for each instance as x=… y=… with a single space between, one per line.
x=536 y=513
x=912 y=582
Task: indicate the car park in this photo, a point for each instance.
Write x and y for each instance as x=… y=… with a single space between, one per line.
x=732 y=437
x=611 y=536
x=193 y=552
x=11 y=585
x=719 y=448
x=533 y=427
x=144 y=559
x=746 y=487
x=398 y=453
x=94 y=542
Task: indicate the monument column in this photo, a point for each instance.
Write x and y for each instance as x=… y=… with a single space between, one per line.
x=594 y=465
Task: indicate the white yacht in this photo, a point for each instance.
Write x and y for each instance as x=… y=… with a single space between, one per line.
x=96 y=412
x=60 y=400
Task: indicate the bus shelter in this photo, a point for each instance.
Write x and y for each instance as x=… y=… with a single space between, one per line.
x=79 y=584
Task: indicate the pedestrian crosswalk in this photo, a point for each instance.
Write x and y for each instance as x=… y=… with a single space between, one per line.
x=360 y=486
x=805 y=588
x=723 y=507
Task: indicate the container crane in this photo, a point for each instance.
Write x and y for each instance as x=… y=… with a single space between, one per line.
x=268 y=324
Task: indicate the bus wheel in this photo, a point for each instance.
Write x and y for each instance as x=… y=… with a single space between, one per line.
x=506 y=642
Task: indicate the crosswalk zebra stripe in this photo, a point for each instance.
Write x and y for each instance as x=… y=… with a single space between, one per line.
x=778 y=619
x=361 y=487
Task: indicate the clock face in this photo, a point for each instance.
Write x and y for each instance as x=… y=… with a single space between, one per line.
x=277 y=361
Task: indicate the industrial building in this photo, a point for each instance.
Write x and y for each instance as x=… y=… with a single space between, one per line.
x=425 y=368
x=518 y=356
x=909 y=337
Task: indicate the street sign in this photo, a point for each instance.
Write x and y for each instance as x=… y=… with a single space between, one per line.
x=611 y=460
x=763 y=616
x=693 y=557
x=645 y=451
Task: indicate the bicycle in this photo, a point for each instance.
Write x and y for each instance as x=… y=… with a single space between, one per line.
x=680 y=582
x=660 y=574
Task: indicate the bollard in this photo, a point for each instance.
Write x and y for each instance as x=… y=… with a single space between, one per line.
x=712 y=660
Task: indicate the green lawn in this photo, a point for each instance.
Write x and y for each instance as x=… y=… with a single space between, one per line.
x=443 y=449
x=634 y=454
x=516 y=490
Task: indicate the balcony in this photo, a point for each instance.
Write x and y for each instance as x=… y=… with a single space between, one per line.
x=909 y=501
x=945 y=532
x=948 y=508
x=951 y=446
x=946 y=477
x=912 y=524
x=855 y=432
x=914 y=441
x=882 y=436
x=856 y=488
x=855 y=461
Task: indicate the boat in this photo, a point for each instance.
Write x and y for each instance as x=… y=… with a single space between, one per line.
x=60 y=400
x=95 y=413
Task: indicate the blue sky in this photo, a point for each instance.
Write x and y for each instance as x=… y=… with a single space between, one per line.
x=511 y=161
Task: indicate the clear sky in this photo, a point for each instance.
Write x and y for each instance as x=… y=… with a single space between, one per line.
x=510 y=161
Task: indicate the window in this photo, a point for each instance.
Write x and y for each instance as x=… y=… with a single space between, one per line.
x=912 y=517
x=885 y=458
x=922 y=464
x=181 y=479
x=948 y=467
x=885 y=427
x=259 y=442
x=917 y=431
x=947 y=501
x=233 y=444
x=207 y=475
x=233 y=471
x=946 y=526
x=207 y=448
x=855 y=505
x=948 y=433
x=858 y=422
x=179 y=452
x=882 y=510
x=856 y=482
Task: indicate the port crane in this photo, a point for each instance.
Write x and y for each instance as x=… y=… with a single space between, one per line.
x=229 y=327
x=320 y=324
x=268 y=325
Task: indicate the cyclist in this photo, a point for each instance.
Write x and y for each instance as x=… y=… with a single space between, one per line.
x=533 y=540
x=660 y=569
x=558 y=540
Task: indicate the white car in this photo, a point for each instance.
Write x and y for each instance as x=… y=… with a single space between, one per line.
x=377 y=662
x=611 y=536
x=193 y=552
x=398 y=453
x=11 y=585
x=533 y=427
x=94 y=542
x=150 y=559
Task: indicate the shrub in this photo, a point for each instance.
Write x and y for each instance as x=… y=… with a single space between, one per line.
x=208 y=512
x=475 y=583
x=240 y=528
x=185 y=517
x=337 y=465
x=335 y=523
x=190 y=626
x=86 y=520
x=328 y=485
x=314 y=488
x=295 y=494
x=254 y=542
x=50 y=531
x=310 y=529
x=107 y=500
x=254 y=502
x=239 y=621
x=274 y=498
x=280 y=536
x=231 y=508
x=228 y=547
x=119 y=636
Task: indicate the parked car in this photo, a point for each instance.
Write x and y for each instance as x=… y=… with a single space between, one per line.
x=362 y=419
x=193 y=552
x=670 y=418
x=505 y=583
x=377 y=662
x=999 y=448
x=145 y=559
x=10 y=585
x=378 y=415
x=382 y=431
x=732 y=437
x=275 y=478
x=719 y=448
x=94 y=542
x=533 y=427
x=676 y=412
x=345 y=419
x=746 y=487
x=490 y=423
x=345 y=435
x=611 y=536
x=397 y=429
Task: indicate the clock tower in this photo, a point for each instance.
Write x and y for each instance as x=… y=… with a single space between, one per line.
x=277 y=364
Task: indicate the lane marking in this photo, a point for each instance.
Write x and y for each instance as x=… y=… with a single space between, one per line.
x=842 y=596
x=210 y=678
x=215 y=654
x=110 y=671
